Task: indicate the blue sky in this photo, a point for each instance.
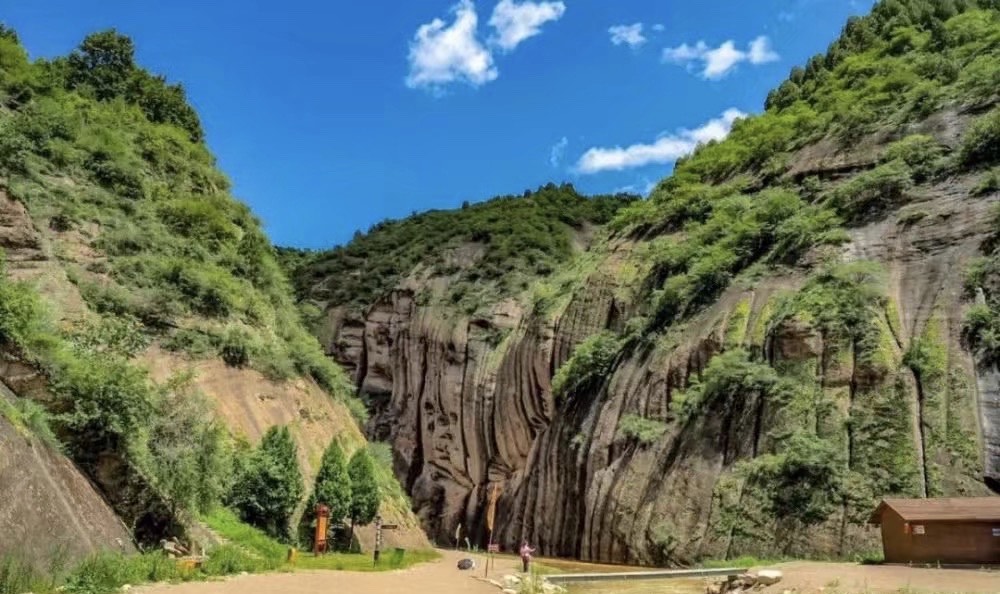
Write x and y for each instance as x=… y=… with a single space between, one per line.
x=331 y=116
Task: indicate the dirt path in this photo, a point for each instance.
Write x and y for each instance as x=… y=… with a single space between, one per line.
x=844 y=578
x=436 y=577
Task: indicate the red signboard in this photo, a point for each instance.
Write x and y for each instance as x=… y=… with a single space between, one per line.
x=494 y=548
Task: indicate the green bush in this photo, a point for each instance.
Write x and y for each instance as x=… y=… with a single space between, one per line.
x=641 y=429
x=872 y=192
x=981 y=331
x=921 y=153
x=981 y=143
x=729 y=376
x=989 y=184
x=591 y=361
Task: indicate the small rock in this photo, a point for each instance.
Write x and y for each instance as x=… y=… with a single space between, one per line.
x=511 y=581
x=465 y=564
x=548 y=588
x=508 y=591
x=126 y=587
x=768 y=577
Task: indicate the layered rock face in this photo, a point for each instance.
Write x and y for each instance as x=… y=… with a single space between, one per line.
x=466 y=402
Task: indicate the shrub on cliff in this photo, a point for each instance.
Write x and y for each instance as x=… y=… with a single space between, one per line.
x=591 y=361
x=981 y=143
x=645 y=431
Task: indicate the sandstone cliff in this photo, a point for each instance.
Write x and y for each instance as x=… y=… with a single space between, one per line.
x=464 y=410
x=690 y=385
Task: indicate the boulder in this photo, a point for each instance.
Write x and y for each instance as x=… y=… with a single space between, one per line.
x=768 y=577
x=465 y=564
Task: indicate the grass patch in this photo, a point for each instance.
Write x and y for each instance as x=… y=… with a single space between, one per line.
x=389 y=560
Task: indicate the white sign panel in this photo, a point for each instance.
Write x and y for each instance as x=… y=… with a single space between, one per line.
x=918 y=529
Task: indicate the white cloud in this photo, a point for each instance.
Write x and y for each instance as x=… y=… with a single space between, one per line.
x=442 y=53
x=717 y=62
x=761 y=51
x=659 y=28
x=515 y=22
x=684 y=52
x=557 y=151
x=630 y=35
x=666 y=149
x=786 y=16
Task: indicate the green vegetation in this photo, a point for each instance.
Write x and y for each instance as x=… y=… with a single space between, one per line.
x=643 y=430
x=990 y=183
x=333 y=483
x=591 y=360
x=268 y=485
x=106 y=405
x=981 y=330
x=109 y=161
x=99 y=146
x=365 y=495
x=729 y=376
x=503 y=243
x=981 y=144
x=29 y=416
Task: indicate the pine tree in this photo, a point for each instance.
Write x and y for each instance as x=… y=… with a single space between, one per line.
x=364 y=488
x=333 y=483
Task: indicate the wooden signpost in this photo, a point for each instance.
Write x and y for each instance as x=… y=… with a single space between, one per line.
x=379 y=527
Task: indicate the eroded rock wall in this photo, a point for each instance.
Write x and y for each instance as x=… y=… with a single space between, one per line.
x=466 y=403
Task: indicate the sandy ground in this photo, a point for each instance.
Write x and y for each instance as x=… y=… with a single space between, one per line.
x=437 y=577
x=443 y=577
x=844 y=578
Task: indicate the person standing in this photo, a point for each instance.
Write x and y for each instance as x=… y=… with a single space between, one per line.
x=526 y=552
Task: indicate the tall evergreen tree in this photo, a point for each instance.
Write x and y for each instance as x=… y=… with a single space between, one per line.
x=333 y=483
x=270 y=484
x=365 y=494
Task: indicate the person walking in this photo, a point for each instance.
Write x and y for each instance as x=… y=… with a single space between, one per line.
x=526 y=552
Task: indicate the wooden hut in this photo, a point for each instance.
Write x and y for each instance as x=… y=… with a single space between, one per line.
x=953 y=530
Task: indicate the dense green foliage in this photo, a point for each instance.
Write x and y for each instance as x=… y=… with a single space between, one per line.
x=365 y=492
x=520 y=237
x=641 y=429
x=333 y=483
x=729 y=376
x=269 y=486
x=110 y=158
x=591 y=361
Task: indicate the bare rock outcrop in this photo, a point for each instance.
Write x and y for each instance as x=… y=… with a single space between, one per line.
x=50 y=514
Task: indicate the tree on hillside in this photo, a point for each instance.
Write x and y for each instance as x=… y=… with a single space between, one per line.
x=333 y=483
x=364 y=489
x=105 y=62
x=269 y=485
x=332 y=488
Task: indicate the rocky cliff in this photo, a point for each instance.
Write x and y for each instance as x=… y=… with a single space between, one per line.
x=708 y=377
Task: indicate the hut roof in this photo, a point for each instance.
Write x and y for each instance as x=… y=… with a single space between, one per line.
x=984 y=509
